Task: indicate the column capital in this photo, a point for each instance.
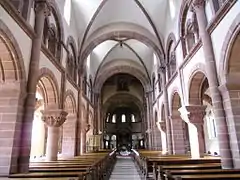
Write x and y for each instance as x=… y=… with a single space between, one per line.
x=54 y=117
x=162 y=125
x=162 y=69
x=43 y=5
x=193 y=114
x=198 y=3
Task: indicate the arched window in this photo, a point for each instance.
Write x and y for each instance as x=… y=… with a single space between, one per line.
x=171 y=64
x=45 y=32
x=191 y=31
x=123 y=118
x=108 y=116
x=53 y=32
x=71 y=63
x=217 y=4
x=52 y=40
x=211 y=126
x=114 y=118
x=159 y=82
x=153 y=86
x=133 y=118
x=23 y=7
x=91 y=90
x=85 y=86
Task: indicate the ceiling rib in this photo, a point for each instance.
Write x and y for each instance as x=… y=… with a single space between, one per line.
x=131 y=49
x=151 y=23
x=90 y=24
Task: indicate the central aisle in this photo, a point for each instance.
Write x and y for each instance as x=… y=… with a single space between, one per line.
x=124 y=169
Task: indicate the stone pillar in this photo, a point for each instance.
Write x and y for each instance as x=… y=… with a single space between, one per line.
x=53 y=119
x=158 y=136
x=69 y=136
x=177 y=134
x=42 y=9
x=193 y=116
x=149 y=120
x=162 y=126
x=222 y=129
x=96 y=122
x=79 y=117
x=166 y=110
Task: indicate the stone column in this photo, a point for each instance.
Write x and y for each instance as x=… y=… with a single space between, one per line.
x=222 y=129
x=53 y=119
x=42 y=9
x=69 y=136
x=149 y=119
x=193 y=116
x=166 y=110
x=96 y=121
x=162 y=126
x=158 y=136
x=178 y=140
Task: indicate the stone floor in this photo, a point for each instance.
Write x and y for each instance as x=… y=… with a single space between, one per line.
x=125 y=169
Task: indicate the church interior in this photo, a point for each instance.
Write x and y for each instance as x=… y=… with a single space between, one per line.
x=119 y=89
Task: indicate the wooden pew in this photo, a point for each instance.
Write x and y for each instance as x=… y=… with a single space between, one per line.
x=208 y=177
x=86 y=167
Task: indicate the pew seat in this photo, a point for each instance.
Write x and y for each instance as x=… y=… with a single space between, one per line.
x=202 y=171
x=208 y=177
x=192 y=166
x=48 y=174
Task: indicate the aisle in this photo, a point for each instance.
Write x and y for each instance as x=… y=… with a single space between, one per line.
x=124 y=170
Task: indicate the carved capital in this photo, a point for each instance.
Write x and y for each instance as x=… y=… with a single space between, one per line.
x=54 y=118
x=193 y=114
x=198 y=4
x=43 y=5
x=162 y=125
x=162 y=69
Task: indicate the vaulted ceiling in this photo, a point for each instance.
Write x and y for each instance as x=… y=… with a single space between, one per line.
x=97 y=18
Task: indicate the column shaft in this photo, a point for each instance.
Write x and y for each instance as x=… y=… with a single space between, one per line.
x=166 y=110
x=52 y=143
x=222 y=129
x=41 y=9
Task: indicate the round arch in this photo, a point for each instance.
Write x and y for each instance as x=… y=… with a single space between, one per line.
x=12 y=65
x=70 y=102
x=133 y=32
x=121 y=66
x=229 y=42
x=49 y=86
x=195 y=87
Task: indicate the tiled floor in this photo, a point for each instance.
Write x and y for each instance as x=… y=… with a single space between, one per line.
x=124 y=170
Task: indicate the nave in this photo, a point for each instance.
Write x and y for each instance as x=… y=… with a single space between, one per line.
x=138 y=165
x=125 y=169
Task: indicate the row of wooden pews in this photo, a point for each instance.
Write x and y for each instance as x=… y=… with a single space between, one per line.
x=90 y=166
x=155 y=165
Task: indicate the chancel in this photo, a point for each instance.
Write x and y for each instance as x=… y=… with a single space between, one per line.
x=119 y=89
